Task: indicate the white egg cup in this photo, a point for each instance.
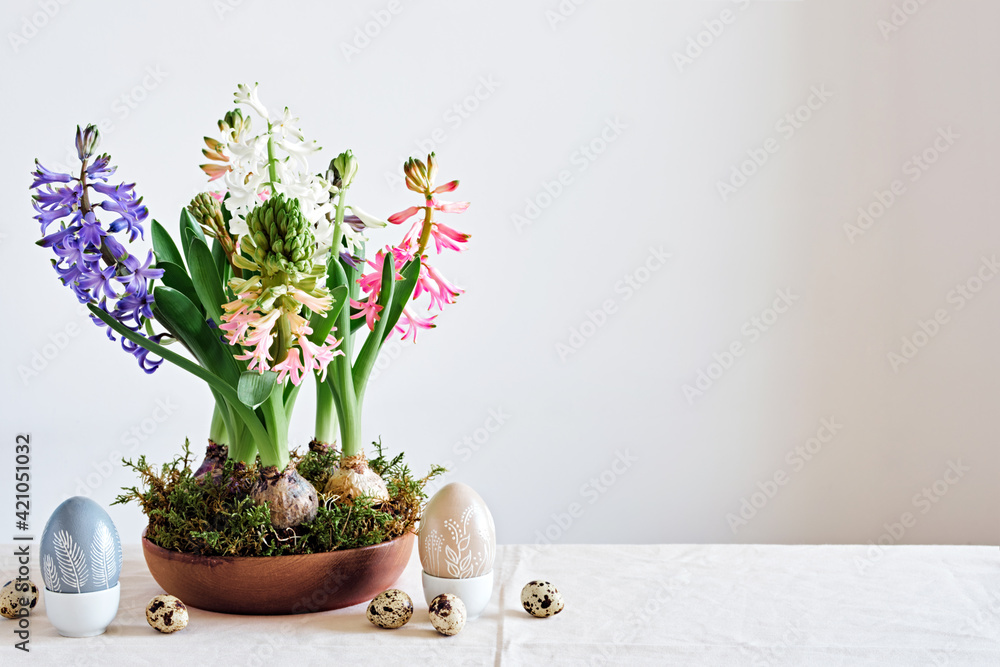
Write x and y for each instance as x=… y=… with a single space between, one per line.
x=475 y=592
x=82 y=614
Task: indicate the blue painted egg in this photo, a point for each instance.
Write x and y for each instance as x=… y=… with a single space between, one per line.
x=81 y=551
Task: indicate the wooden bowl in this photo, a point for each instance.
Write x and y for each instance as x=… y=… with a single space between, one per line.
x=279 y=584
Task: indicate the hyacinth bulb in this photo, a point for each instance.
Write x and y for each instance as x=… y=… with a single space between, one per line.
x=289 y=497
x=354 y=479
x=215 y=462
x=321 y=448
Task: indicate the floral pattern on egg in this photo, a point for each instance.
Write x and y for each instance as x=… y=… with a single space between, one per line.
x=457 y=534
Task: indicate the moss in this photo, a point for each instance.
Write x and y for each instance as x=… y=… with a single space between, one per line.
x=217 y=518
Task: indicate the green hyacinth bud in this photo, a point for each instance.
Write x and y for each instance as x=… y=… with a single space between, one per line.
x=342 y=170
x=283 y=239
x=416 y=176
x=233 y=123
x=207 y=210
x=432 y=168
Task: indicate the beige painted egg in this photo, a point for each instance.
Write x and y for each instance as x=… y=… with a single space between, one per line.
x=458 y=538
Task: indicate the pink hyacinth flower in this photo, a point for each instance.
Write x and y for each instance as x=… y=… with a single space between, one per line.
x=290 y=367
x=371 y=283
x=449 y=206
x=433 y=282
x=236 y=325
x=259 y=355
x=446 y=237
x=315 y=304
x=368 y=309
x=318 y=357
x=401 y=255
x=404 y=215
x=215 y=170
x=413 y=324
x=447 y=187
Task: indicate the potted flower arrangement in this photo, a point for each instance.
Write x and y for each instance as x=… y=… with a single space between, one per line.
x=266 y=284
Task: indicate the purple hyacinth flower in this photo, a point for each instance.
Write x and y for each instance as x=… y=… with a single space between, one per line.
x=134 y=308
x=136 y=277
x=45 y=176
x=56 y=238
x=121 y=199
x=98 y=281
x=141 y=354
x=91 y=231
x=73 y=250
x=100 y=170
x=116 y=249
x=89 y=259
x=350 y=260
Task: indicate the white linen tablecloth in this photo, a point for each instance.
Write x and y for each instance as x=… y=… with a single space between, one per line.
x=625 y=605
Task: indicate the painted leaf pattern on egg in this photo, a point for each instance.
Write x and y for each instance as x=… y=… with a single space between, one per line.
x=50 y=575
x=71 y=561
x=104 y=557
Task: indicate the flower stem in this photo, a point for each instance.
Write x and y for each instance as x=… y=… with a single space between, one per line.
x=326 y=415
x=241 y=444
x=274 y=452
x=340 y=377
x=425 y=232
x=338 y=224
x=271 y=172
x=217 y=432
x=85 y=206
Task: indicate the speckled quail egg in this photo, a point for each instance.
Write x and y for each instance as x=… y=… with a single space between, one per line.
x=447 y=614
x=390 y=609
x=12 y=594
x=541 y=599
x=166 y=614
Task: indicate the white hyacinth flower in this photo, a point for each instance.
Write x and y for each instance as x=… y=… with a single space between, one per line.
x=248 y=181
x=248 y=96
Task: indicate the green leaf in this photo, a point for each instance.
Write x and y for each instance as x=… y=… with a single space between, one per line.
x=177 y=278
x=182 y=317
x=221 y=263
x=228 y=392
x=366 y=358
x=322 y=324
x=401 y=294
x=354 y=273
x=190 y=224
x=339 y=371
x=190 y=230
x=164 y=246
x=255 y=388
x=224 y=413
x=206 y=279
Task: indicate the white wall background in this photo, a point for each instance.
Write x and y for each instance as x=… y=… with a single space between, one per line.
x=555 y=86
